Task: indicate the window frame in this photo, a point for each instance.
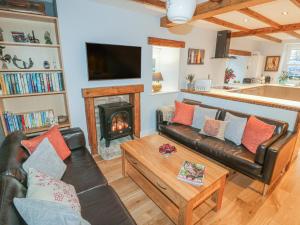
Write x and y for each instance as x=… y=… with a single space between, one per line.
x=290 y=48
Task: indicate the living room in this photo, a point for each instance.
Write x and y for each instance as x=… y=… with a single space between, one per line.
x=123 y=133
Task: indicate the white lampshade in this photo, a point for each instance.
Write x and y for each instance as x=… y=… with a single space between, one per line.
x=180 y=11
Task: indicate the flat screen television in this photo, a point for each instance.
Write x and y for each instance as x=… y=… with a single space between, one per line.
x=107 y=62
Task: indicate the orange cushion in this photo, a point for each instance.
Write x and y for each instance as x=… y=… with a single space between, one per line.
x=184 y=113
x=55 y=138
x=256 y=132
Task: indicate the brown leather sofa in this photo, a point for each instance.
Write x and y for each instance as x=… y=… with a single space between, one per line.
x=259 y=166
x=100 y=205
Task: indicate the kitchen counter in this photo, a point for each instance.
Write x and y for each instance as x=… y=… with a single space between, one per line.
x=275 y=102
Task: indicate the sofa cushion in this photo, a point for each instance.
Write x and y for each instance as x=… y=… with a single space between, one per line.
x=235 y=128
x=183 y=113
x=10 y=188
x=12 y=156
x=102 y=206
x=200 y=114
x=256 y=133
x=56 y=139
x=237 y=157
x=82 y=171
x=214 y=128
x=181 y=133
x=46 y=160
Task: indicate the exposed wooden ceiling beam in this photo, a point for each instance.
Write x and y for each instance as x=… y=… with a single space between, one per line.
x=267 y=30
x=210 y=9
x=258 y=16
x=238 y=27
x=296 y=2
x=166 y=42
x=155 y=3
x=239 y=52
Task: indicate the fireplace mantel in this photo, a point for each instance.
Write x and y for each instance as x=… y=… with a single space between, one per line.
x=89 y=95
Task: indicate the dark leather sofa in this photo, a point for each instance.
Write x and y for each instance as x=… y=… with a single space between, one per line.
x=259 y=166
x=99 y=202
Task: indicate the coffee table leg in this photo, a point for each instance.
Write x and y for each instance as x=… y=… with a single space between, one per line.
x=220 y=193
x=186 y=214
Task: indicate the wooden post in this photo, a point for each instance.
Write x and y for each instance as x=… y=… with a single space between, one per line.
x=135 y=101
x=91 y=124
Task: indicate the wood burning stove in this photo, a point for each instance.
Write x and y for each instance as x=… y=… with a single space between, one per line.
x=115 y=121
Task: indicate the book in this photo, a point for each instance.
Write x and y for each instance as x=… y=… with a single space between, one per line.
x=192 y=173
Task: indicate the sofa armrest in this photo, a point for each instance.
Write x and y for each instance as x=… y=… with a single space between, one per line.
x=164 y=116
x=74 y=138
x=278 y=156
x=261 y=150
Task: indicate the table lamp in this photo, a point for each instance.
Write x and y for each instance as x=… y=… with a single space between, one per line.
x=156 y=81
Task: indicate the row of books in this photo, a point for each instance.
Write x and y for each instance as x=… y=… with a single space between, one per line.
x=15 y=122
x=28 y=83
x=192 y=173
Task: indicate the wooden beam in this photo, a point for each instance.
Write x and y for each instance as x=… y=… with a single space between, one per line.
x=155 y=3
x=296 y=2
x=238 y=27
x=210 y=9
x=166 y=42
x=239 y=52
x=258 y=16
x=267 y=30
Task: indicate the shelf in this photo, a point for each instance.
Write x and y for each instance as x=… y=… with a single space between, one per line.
x=41 y=129
x=19 y=44
x=32 y=94
x=29 y=70
x=27 y=16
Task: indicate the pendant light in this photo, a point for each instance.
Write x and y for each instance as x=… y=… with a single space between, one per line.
x=180 y=11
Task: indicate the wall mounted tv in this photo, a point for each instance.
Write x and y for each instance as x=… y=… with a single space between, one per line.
x=107 y=62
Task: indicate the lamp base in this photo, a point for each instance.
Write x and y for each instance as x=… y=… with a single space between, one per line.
x=156 y=87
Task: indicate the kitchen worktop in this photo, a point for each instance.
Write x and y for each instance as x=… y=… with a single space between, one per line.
x=234 y=95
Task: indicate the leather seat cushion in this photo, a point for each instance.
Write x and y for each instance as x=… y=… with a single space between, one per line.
x=184 y=134
x=102 y=206
x=82 y=171
x=237 y=157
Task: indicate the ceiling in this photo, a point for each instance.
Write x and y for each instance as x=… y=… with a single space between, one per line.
x=280 y=11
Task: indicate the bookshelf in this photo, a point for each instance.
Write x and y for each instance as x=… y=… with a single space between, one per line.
x=34 y=89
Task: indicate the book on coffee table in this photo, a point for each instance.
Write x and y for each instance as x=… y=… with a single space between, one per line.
x=192 y=173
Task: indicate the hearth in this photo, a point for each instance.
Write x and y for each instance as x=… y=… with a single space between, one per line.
x=115 y=121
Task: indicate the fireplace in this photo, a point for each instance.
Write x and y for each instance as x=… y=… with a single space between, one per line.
x=115 y=121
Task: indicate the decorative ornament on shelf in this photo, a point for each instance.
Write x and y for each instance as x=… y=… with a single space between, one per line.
x=191 y=82
x=32 y=38
x=180 y=11
x=229 y=75
x=47 y=37
x=156 y=81
x=4 y=58
x=1 y=34
x=26 y=65
x=46 y=65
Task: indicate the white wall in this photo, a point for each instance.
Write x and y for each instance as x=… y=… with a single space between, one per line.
x=128 y=24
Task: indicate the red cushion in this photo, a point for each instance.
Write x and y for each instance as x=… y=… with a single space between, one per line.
x=183 y=113
x=55 y=138
x=256 y=132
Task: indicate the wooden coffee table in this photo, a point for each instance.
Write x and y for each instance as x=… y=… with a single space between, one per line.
x=157 y=177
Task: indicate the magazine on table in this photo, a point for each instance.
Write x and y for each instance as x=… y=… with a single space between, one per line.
x=192 y=173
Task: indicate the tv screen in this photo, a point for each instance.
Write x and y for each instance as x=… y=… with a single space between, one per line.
x=106 y=62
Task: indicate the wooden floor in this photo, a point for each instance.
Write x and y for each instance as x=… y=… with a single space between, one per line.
x=242 y=204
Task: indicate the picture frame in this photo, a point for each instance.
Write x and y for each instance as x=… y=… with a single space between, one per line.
x=196 y=56
x=272 y=63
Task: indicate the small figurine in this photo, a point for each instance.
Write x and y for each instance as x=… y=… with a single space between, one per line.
x=46 y=64
x=4 y=58
x=47 y=37
x=32 y=38
x=25 y=65
x=1 y=34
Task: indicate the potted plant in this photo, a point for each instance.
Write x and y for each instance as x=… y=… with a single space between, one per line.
x=191 y=83
x=283 y=77
x=229 y=75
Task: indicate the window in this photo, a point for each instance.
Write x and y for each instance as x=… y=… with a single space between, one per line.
x=293 y=62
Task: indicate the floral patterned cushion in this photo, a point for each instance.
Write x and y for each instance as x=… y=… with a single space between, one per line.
x=44 y=187
x=214 y=128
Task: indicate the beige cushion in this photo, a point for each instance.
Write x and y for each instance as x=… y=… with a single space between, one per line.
x=214 y=128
